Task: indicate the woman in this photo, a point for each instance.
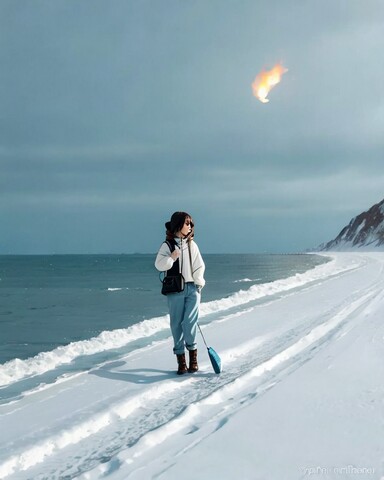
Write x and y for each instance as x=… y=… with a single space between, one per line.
x=183 y=306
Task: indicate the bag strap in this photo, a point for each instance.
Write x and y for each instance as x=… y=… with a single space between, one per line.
x=170 y=245
x=176 y=267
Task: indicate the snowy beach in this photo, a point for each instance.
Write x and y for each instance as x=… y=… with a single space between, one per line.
x=300 y=395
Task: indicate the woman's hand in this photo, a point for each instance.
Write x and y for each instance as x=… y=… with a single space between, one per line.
x=175 y=254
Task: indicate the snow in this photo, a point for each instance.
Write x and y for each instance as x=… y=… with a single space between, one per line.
x=370 y=245
x=301 y=394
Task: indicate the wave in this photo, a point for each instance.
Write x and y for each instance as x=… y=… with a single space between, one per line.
x=244 y=280
x=16 y=369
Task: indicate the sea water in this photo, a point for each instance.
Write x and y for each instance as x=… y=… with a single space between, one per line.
x=50 y=301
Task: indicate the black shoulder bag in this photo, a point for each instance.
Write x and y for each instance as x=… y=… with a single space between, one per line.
x=173 y=282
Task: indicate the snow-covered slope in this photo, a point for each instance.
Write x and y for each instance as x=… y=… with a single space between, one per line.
x=301 y=395
x=366 y=231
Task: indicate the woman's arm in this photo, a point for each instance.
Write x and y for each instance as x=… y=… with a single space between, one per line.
x=164 y=261
x=198 y=265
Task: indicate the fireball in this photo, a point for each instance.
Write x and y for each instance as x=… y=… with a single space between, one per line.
x=266 y=80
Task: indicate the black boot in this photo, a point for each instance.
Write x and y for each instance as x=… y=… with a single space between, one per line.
x=193 y=366
x=182 y=364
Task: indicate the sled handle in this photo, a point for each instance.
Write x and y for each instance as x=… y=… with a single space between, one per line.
x=205 y=343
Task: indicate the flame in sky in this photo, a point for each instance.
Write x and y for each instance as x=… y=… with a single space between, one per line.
x=266 y=80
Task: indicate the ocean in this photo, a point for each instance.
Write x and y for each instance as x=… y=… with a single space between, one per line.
x=63 y=313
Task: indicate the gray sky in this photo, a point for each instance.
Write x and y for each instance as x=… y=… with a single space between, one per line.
x=116 y=113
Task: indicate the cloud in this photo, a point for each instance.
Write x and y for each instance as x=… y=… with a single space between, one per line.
x=142 y=107
x=82 y=153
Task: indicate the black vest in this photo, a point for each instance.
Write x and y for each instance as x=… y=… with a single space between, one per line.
x=175 y=269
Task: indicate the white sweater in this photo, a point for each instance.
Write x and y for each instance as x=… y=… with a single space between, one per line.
x=164 y=261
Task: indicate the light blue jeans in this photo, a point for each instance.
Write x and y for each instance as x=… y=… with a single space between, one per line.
x=184 y=313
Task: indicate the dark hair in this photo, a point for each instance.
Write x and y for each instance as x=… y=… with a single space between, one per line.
x=176 y=224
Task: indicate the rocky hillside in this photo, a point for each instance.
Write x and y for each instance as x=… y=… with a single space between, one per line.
x=364 y=231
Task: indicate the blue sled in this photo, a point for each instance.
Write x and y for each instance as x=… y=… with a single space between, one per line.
x=215 y=360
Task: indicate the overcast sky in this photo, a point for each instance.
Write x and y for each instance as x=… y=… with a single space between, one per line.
x=114 y=114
